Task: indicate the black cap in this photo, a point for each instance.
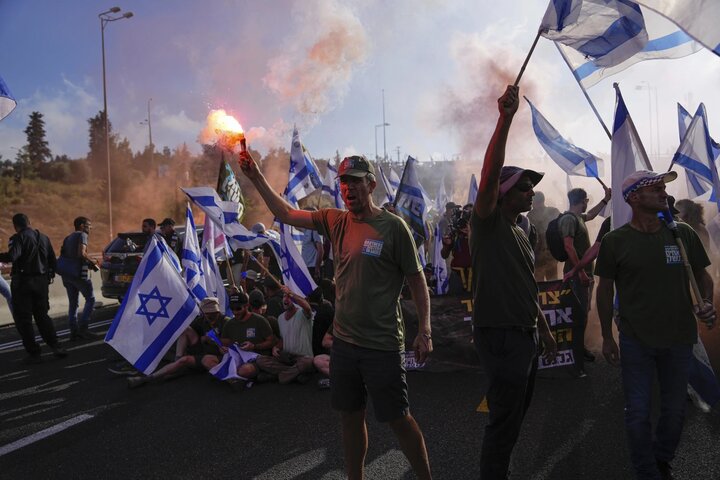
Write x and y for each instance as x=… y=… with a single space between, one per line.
x=167 y=221
x=256 y=298
x=238 y=299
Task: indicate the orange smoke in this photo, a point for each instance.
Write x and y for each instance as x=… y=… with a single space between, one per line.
x=224 y=131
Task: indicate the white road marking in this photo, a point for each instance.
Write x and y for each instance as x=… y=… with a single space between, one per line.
x=12 y=374
x=38 y=389
x=23 y=442
x=85 y=363
x=30 y=414
x=60 y=333
x=295 y=466
x=54 y=401
x=564 y=450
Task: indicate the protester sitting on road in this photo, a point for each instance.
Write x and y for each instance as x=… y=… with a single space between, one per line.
x=322 y=361
x=292 y=357
x=323 y=316
x=273 y=298
x=196 y=348
x=250 y=331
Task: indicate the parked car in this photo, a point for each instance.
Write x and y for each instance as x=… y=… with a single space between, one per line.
x=121 y=258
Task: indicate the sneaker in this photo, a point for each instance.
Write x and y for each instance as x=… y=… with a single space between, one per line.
x=59 y=352
x=236 y=384
x=124 y=369
x=589 y=356
x=665 y=470
x=324 y=383
x=134 y=382
x=698 y=402
x=32 y=359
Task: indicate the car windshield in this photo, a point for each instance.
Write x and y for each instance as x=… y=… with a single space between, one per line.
x=127 y=243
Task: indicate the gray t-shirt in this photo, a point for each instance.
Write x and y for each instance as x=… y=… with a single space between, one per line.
x=71 y=245
x=309 y=246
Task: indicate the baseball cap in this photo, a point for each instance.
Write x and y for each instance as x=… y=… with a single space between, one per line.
x=210 y=305
x=510 y=175
x=644 y=178
x=238 y=299
x=167 y=221
x=355 y=166
x=251 y=275
x=258 y=228
x=256 y=298
x=451 y=205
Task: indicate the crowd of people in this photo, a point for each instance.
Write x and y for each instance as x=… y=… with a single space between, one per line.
x=350 y=329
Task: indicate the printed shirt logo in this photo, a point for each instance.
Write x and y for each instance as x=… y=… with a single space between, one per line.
x=372 y=247
x=251 y=332
x=672 y=255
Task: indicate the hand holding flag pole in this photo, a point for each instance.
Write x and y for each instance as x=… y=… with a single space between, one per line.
x=697 y=299
x=266 y=271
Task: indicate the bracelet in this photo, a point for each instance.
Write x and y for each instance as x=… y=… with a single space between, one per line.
x=426 y=335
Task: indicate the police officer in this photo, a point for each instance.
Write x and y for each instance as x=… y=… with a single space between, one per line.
x=33 y=265
x=167 y=229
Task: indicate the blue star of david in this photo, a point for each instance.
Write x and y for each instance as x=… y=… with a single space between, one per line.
x=154 y=295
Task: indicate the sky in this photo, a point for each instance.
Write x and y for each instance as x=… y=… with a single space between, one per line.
x=322 y=66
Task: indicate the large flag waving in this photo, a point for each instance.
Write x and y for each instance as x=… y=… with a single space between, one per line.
x=213 y=279
x=228 y=187
x=7 y=101
x=304 y=177
x=606 y=31
x=628 y=156
x=410 y=201
x=156 y=310
x=294 y=272
x=699 y=18
x=192 y=258
x=390 y=182
x=695 y=186
x=573 y=160
x=331 y=187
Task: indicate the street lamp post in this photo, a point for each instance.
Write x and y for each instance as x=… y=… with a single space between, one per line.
x=376 y=127
x=105 y=18
x=649 y=88
x=384 y=124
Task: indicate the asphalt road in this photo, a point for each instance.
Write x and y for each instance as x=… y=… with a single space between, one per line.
x=71 y=418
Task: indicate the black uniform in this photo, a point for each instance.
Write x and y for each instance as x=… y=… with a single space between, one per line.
x=33 y=264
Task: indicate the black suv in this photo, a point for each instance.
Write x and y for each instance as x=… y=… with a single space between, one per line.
x=122 y=257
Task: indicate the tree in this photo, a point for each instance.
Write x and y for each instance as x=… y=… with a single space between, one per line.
x=97 y=157
x=37 y=151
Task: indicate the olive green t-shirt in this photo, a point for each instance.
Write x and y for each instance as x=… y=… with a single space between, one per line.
x=255 y=330
x=505 y=292
x=372 y=258
x=652 y=286
x=573 y=225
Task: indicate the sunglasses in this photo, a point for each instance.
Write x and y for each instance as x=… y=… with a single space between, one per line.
x=523 y=187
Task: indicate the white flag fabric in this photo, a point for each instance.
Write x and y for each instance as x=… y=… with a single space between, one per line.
x=389 y=188
x=294 y=272
x=665 y=41
x=441 y=198
x=699 y=18
x=628 y=156
x=304 y=176
x=231 y=361
x=192 y=258
x=440 y=266
x=696 y=154
x=213 y=279
x=410 y=202
x=331 y=187
x=472 y=190
x=606 y=31
x=572 y=159
x=156 y=310
x=225 y=216
x=7 y=101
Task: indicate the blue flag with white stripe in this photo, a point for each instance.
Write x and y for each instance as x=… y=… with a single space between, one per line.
x=410 y=201
x=192 y=258
x=231 y=361
x=695 y=186
x=573 y=160
x=389 y=188
x=701 y=378
x=331 y=187
x=606 y=31
x=294 y=272
x=304 y=176
x=213 y=279
x=440 y=265
x=156 y=310
x=7 y=100
x=696 y=153
x=472 y=190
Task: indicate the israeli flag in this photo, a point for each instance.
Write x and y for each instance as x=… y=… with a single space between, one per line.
x=224 y=215
x=331 y=187
x=192 y=258
x=472 y=190
x=213 y=279
x=699 y=18
x=573 y=160
x=696 y=154
x=695 y=186
x=7 y=101
x=441 y=198
x=294 y=272
x=607 y=31
x=664 y=41
x=410 y=201
x=701 y=378
x=304 y=176
x=156 y=310
x=441 y=274
x=387 y=184
x=231 y=361
x=627 y=156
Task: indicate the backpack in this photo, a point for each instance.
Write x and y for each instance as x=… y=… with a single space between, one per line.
x=554 y=240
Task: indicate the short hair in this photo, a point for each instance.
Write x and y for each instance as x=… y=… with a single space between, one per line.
x=316 y=296
x=80 y=221
x=576 y=195
x=20 y=220
x=150 y=221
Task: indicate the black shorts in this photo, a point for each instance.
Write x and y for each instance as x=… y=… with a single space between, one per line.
x=356 y=371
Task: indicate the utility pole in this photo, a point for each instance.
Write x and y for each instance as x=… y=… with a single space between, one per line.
x=385 y=157
x=397 y=149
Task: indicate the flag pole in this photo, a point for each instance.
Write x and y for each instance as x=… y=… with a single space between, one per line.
x=587 y=97
x=402 y=180
x=266 y=271
x=527 y=59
